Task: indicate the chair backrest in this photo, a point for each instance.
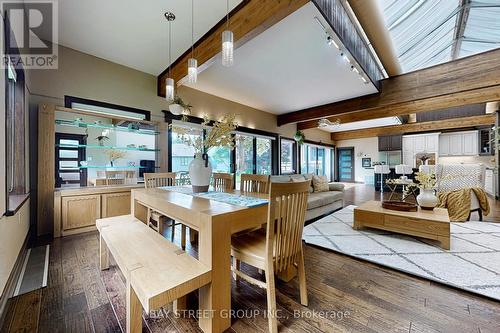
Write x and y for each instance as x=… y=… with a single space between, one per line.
x=115 y=181
x=286 y=216
x=223 y=182
x=451 y=177
x=159 y=179
x=254 y=183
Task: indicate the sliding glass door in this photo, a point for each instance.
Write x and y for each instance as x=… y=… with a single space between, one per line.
x=316 y=160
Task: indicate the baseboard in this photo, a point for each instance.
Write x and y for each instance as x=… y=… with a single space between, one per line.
x=10 y=286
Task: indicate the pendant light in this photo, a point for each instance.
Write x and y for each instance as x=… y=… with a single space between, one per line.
x=169 y=82
x=227 y=42
x=192 y=62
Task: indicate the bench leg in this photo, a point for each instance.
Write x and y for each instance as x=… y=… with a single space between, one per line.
x=134 y=311
x=103 y=254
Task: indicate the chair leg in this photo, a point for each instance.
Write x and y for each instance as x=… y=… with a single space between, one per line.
x=302 y=277
x=148 y=217
x=172 y=224
x=183 y=237
x=480 y=212
x=271 y=299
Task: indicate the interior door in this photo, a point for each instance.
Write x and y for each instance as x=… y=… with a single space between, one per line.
x=345 y=162
x=70 y=151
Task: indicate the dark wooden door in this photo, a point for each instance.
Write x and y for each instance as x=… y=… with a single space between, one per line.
x=345 y=163
x=70 y=151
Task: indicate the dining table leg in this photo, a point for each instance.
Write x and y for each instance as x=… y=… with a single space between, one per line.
x=215 y=252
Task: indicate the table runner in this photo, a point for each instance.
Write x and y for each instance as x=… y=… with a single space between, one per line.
x=229 y=198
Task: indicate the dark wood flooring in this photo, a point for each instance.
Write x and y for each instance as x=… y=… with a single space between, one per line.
x=345 y=295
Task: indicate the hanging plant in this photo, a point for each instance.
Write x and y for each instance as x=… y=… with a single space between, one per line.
x=299 y=137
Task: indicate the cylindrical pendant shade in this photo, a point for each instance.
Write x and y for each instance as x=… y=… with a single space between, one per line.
x=192 y=70
x=227 y=48
x=169 y=91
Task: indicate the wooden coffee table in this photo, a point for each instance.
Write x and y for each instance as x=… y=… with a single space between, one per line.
x=429 y=224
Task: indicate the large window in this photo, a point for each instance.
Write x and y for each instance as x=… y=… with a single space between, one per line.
x=317 y=160
x=264 y=156
x=287 y=156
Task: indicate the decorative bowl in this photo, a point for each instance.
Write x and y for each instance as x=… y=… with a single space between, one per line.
x=400 y=205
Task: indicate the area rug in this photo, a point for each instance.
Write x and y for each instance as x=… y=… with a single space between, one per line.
x=472 y=263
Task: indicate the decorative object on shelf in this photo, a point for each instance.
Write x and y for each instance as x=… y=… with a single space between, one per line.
x=227 y=42
x=114 y=155
x=169 y=82
x=299 y=137
x=426 y=182
x=98 y=122
x=102 y=138
x=131 y=164
x=425 y=159
x=131 y=145
x=134 y=126
x=366 y=162
x=218 y=134
x=78 y=120
x=179 y=107
x=143 y=147
x=83 y=163
x=192 y=62
x=400 y=206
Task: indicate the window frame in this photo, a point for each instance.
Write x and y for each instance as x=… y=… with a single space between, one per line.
x=308 y=143
x=294 y=156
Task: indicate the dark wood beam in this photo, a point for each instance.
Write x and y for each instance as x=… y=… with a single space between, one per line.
x=247 y=20
x=427 y=126
x=474 y=79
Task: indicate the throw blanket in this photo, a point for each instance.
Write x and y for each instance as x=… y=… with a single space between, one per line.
x=458 y=203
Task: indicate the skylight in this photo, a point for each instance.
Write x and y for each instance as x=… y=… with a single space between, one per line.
x=430 y=32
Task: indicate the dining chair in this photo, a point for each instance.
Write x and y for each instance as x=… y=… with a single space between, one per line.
x=160 y=179
x=279 y=246
x=254 y=183
x=223 y=182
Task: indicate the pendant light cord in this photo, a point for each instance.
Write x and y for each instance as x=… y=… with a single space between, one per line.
x=170 y=48
x=227 y=14
x=192 y=28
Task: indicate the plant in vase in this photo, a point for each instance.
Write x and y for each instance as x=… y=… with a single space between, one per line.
x=426 y=183
x=101 y=139
x=114 y=155
x=299 y=137
x=218 y=134
x=179 y=107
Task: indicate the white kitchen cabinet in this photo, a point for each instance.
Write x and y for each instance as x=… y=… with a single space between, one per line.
x=419 y=143
x=459 y=144
x=489 y=182
x=432 y=143
x=444 y=145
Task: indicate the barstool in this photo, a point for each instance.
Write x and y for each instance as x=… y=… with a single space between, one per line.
x=382 y=169
x=403 y=170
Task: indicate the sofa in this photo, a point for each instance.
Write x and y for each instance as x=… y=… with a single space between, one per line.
x=318 y=203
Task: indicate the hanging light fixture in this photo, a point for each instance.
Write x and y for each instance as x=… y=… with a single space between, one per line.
x=192 y=62
x=169 y=82
x=227 y=42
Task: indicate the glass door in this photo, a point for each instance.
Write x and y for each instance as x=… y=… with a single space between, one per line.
x=69 y=154
x=244 y=156
x=346 y=164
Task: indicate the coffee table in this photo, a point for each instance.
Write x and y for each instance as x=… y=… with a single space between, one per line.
x=428 y=224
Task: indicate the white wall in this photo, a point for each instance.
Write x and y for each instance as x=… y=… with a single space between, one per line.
x=366 y=147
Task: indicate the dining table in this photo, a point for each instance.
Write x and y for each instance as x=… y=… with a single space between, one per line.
x=215 y=221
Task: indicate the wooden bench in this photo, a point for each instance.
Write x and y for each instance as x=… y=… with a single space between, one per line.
x=157 y=271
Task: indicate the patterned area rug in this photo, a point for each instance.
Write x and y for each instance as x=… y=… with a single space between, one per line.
x=472 y=263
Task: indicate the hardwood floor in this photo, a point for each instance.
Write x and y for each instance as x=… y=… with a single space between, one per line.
x=345 y=295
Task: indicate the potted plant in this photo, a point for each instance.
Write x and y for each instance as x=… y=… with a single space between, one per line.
x=218 y=134
x=299 y=137
x=426 y=183
x=102 y=138
x=179 y=107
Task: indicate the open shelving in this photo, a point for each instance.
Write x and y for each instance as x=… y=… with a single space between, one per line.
x=82 y=124
x=105 y=147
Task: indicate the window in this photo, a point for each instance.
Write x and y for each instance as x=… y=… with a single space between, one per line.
x=287 y=156
x=182 y=154
x=264 y=156
x=244 y=155
x=15 y=137
x=317 y=160
x=220 y=158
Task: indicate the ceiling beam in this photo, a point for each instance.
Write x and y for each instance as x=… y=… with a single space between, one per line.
x=247 y=20
x=473 y=79
x=427 y=126
x=462 y=18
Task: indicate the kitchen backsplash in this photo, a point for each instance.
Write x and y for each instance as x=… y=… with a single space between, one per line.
x=486 y=160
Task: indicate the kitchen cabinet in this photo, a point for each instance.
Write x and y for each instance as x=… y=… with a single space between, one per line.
x=486 y=141
x=490 y=182
x=459 y=144
x=80 y=211
x=389 y=142
x=419 y=143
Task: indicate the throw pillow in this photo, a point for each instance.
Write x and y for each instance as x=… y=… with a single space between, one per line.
x=320 y=184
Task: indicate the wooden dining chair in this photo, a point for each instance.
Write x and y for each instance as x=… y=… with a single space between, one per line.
x=223 y=182
x=254 y=183
x=279 y=247
x=154 y=219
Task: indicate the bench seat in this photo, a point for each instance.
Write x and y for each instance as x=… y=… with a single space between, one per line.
x=157 y=271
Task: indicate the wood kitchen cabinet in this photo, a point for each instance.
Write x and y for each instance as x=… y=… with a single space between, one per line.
x=80 y=211
x=115 y=204
x=390 y=142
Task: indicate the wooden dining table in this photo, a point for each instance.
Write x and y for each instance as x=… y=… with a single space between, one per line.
x=215 y=222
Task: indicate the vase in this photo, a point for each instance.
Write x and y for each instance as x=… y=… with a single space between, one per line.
x=427 y=199
x=200 y=171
